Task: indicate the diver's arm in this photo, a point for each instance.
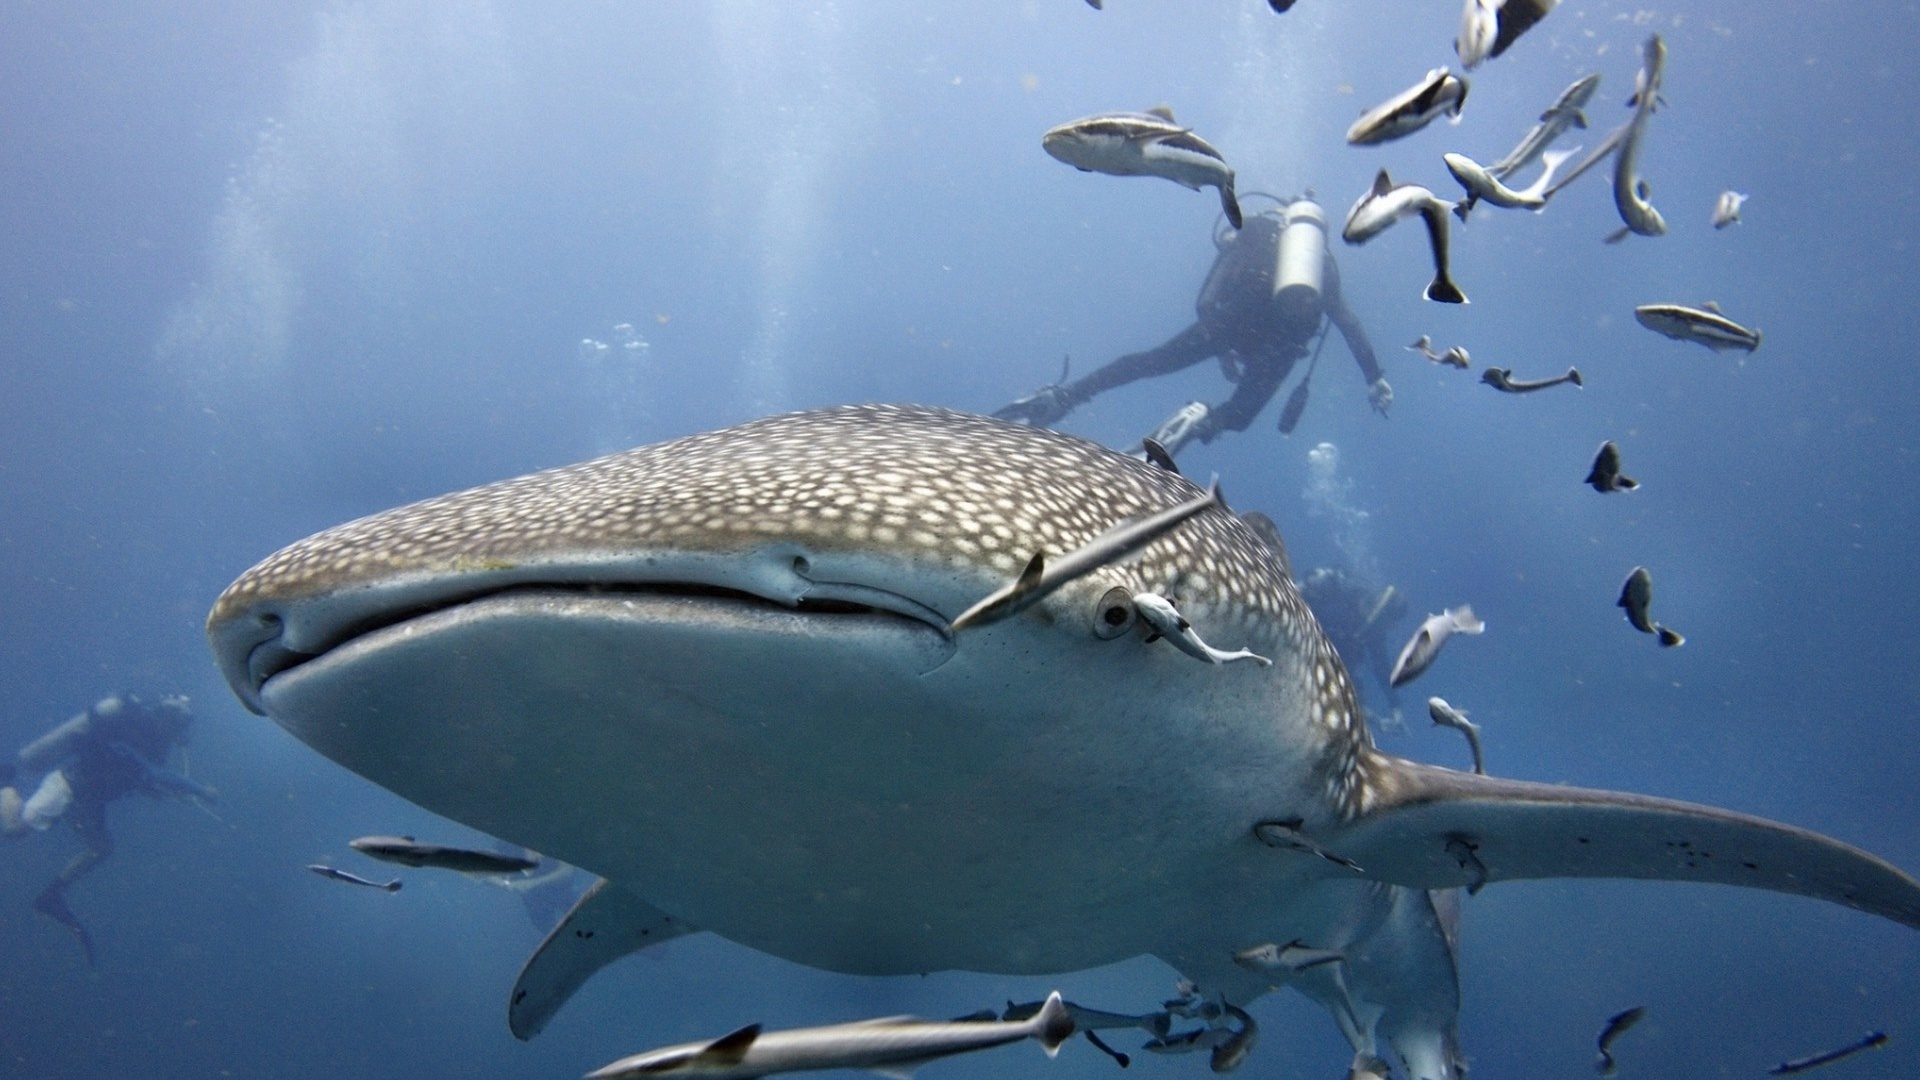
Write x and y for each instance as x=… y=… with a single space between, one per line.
x=1348 y=323
x=164 y=781
x=1343 y=318
x=51 y=750
x=1183 y=350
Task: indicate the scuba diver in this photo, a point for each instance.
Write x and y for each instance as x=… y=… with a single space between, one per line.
x=117 y=747
x=1359 y=619
x=1266 y=303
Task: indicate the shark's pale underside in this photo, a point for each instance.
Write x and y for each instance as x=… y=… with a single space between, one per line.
x=719 y=672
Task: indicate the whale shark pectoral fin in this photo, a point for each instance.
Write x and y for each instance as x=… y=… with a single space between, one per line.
x=1436 y=828
x=607 y=923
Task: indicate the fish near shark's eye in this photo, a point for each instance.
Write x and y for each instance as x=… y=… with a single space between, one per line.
x=1114 y=614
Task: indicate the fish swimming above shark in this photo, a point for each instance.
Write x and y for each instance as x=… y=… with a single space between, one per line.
x=1568 y=110
x=733 y=653
x=1439 y=93
x=1387 y=202
x=1151 y=143
x=1481 y=184
x=1630 y=190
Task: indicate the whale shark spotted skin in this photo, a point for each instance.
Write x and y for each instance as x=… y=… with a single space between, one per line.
x=720 y=672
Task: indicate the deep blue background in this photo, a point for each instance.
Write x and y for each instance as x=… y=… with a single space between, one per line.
x=268 y=266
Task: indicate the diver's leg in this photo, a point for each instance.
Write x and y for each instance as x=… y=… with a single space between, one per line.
x=1050 y=403
x=1258 y=383
x=1183 y=350
x=11 y=823
x=90 y=823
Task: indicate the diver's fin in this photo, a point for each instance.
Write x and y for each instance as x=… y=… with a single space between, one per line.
x=606 y=924
x=1435 y=828
x=52 y=903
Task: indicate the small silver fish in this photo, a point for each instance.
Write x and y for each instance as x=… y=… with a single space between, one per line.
x=897 y=1043
x=1726 y=208
x=353 y=879
x=1454 y=357
x=406 y=851
x=1502 y=379
x=1291 y=957
x=1872 y=1040
x=1445 y=715
x=1636 y=598
x=1603 y=1063
x=1385 y=203
x=1440 y=92
x=1425 y=644
x=1167 y=622
x=1482 y=185
x=1231 y=1054
x=1629 y=190
x=1568 y=111
x=1706 y=324
x=1151 y=143
x=1605 y=475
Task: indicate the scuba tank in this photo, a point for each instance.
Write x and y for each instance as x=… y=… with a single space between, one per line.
x=1239 y=285
x=1300 y=264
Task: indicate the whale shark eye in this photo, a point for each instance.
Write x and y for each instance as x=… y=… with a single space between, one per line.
x=1114 y=614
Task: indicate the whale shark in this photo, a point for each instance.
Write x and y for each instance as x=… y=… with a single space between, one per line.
x=722 y=673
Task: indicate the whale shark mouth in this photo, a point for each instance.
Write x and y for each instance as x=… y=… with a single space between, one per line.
x=276 y=638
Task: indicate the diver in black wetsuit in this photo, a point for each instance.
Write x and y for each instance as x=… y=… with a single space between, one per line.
x=117 y=747
x=1272 y=290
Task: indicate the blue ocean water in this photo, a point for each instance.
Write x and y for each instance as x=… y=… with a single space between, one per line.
x=269 y=266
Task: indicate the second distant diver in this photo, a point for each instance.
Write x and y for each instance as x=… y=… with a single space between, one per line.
x=115 y=748
x=1272 y=292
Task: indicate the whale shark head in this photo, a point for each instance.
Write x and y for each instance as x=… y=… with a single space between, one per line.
x=722 y=672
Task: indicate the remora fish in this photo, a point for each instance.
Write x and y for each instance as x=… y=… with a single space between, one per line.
x=719 y=672
x=1605 y=475
x=1872 y=1040
x=1440 y=92
x=1629 y=190
x=1502 y=379
x=1454 y=357
x=1293 y=957
x=1636 y=597
x=1167 y=622
x=1616 y=1026
x=1567 y=111
x=892 y=1044
x=353 y=879
x=1425 y=643
x=406 y=851
x=1482 y=185
x=1706 y=324
x=1387 y=202
x=1445 y=715
x=1726 y=208
x=1151 y=143
x=1488 y=27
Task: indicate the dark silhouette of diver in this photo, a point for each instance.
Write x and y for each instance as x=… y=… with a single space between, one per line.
x=1360 y=620
x=1265 y=304
x=115 y=748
